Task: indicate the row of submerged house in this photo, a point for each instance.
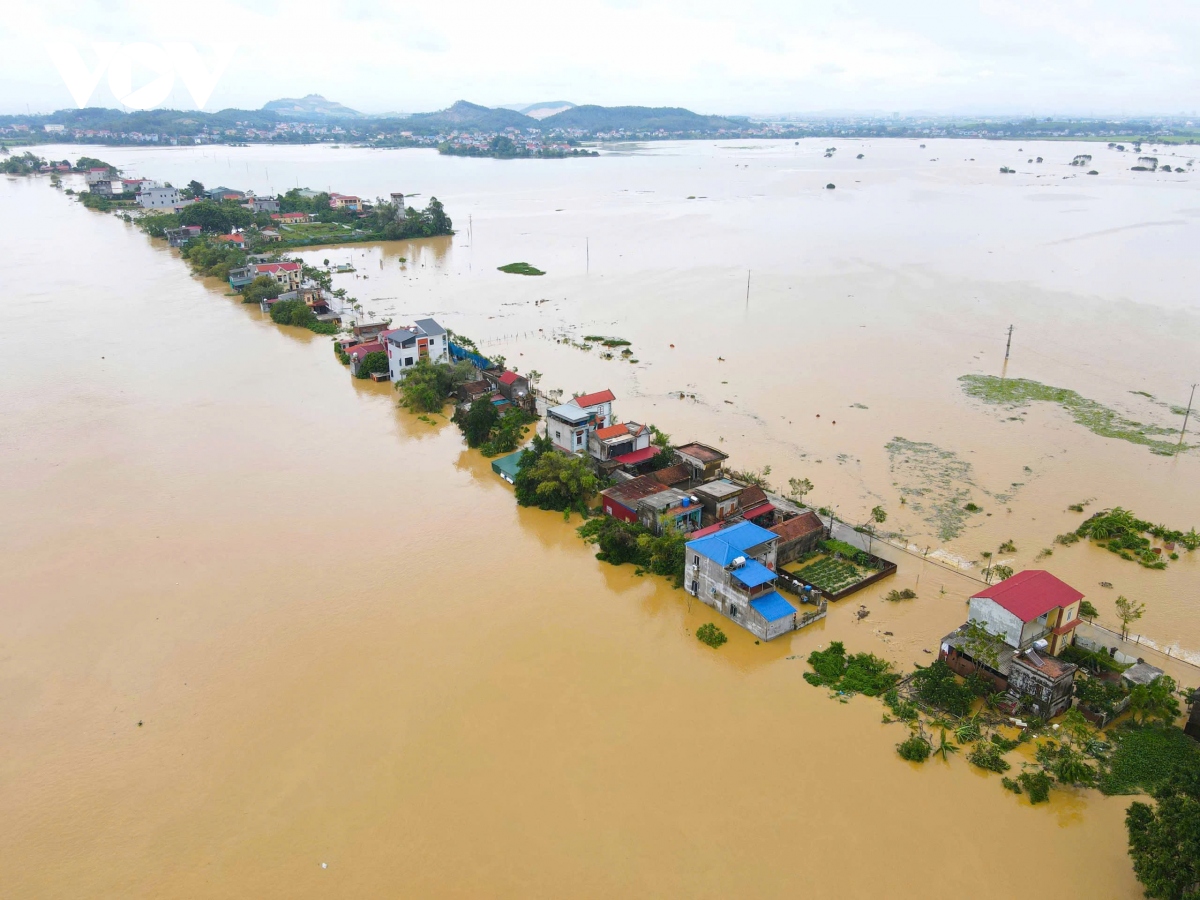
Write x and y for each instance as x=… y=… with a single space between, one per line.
x=738 y=533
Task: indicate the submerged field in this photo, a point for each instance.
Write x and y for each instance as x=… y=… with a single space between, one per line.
x=201 y=500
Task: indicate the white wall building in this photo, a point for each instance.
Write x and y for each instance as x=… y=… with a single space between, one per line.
x=157 y=197
x=425 y=339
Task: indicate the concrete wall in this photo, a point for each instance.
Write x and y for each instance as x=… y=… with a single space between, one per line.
x=996 y=619
x=792 y=550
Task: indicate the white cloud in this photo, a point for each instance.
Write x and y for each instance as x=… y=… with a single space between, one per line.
x=756 y=56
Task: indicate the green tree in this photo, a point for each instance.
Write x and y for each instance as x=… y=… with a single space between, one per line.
x=798 y=487
x=879 y=515
x=1000 y=573
x=1155 y=701
x=477 y=422
x=1087 y=611
x=1128 y=611
x=1164 y=839
x=372 y=363
x=264 y=287
x=551 y=480
x=193 y=190
x=981 y=645
x=428 y=385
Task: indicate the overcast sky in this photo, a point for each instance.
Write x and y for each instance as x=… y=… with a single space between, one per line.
x=747 y=57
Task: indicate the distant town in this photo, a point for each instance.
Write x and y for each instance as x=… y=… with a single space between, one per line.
x=469 y=129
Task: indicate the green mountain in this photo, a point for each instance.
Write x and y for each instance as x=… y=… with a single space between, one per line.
x=637 y=118
x=309 y=107
x=471 y=117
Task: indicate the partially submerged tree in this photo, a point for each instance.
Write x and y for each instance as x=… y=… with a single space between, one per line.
x=1128 y=611
x=1164 y=839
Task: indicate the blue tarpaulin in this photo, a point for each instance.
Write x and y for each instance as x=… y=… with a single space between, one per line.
x=772 y=606
x=753 y=573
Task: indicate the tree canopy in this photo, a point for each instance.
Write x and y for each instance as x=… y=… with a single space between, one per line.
x=1164 y=839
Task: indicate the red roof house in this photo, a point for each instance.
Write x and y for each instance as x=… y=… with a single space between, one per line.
x=1032 y=605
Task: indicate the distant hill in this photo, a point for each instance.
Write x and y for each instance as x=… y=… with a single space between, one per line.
x=545 y=108
x=472 y=116
x=637 y=118
x=311 y=106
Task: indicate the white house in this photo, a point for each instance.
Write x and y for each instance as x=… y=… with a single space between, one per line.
x=569 y=424
x=1032 y=605
x=407 y=346
x=155 y=196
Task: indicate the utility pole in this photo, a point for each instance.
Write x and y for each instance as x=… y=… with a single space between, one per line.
x=587 y=248
x=747 y=289
x=1008 y=346
x=1187 y=415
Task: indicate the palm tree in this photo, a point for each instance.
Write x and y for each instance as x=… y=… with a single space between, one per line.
x=945 y=747
x=987 y=572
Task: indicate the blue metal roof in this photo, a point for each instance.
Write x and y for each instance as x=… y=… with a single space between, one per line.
x=728 y=544
x=773 y=606
x=753 y=573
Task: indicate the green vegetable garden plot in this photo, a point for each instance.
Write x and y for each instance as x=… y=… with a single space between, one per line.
x=831 y=575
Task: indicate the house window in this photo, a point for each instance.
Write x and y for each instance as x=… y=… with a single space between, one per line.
x=408 y=360
x=696 y=560
x=695 y=586
x=558 y=434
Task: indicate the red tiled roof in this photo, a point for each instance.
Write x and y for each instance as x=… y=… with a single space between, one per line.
x=1031 y=593
x=1063 y=629
x=277 y=267
x=702 y=452
x=637 y=456
x=232 y=238
x=674 y=475
x=628 y=493
x=711 y=529
x=760 y=510
x=804 y=524
x=508 y=377
x=363 y=349
x=752 y=496
x=611 y=431
x=586 y=400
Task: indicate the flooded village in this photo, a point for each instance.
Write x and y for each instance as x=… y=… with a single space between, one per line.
x=649 y=558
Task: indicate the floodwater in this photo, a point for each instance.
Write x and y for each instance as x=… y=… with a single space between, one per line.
x=267 y=635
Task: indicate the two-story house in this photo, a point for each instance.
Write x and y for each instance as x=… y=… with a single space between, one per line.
x=569 y=424
x=344 y=201
x=157 y=197
x=408 y=345
x=733 y=571
x=616 y=444
x=1030 y=606
x=704 y=461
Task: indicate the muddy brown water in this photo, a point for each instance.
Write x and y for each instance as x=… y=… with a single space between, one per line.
x=346 y=645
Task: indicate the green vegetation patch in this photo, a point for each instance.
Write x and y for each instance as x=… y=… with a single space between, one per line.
x=520 y=268
x=606 y=341
x=1097 y=418
x=1121 y=532
x=936 y=484
x=710 y=634
x=914 y=749
x=1143 y=757
x=862 y=673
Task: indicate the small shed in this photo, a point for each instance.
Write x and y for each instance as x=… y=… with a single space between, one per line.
x=1141 y=673
x=506 y=466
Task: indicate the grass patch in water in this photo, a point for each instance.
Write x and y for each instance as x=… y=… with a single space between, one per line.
x=710 y=634
x=862 y=673
x=1095 y=417
x=1144 y=756
x=936 y=484
x=520 y=268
